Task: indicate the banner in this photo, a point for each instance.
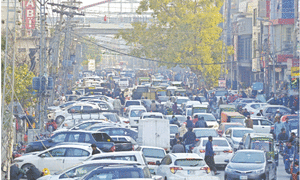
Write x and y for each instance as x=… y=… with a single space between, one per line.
x=295 y=71
x=29 y=11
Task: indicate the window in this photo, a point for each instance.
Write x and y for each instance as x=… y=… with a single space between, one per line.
x=74 y=109
x=255 y=106
x=124 y=158
x=59 y=152
x=87 y=108
x=255 y=122
x=284 y=110
x=265 y=123
x=74 y=152
x=73 y=137
x=271 y=110
x=79 y=171
x=288 y=34
x=166 y=160
x=59 y=138
x=100 y=137
x=153 y=153
x=117 y=132
x=189 y=162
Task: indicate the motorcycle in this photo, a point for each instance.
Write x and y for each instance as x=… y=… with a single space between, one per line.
x=281 y=147
x=288 y=159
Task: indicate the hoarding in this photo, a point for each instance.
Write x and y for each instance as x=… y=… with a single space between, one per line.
x=29 y=11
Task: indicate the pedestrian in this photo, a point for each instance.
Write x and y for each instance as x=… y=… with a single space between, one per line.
x=95 y=150
x=201 y=123
x=195 y=119
x=153 y=106
x=189 y=139
x=189 y=123
x=178 y=148
x=62 y=99
x=175 y=108
x=246 y=113
x=287 y=126
x=117 y=105
x=209 y=155
x=249 y=122
x=277 y=128
x=174 y=141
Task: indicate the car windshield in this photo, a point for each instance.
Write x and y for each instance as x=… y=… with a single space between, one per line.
x=152 y=116
x=217 y=142
x=240 y=133
x=205 y=132
x=220 y=93
x=173 y=129
x=66 y=104
x=261 y=145
x=199 y=110
x=111 y=117
x=108 y=174
x=136 y=113
x=180 y=101
x=130 y=103
x=248 y=157
x=189 y=162
x=207 y=117
x=78 y=171
x=153 y=153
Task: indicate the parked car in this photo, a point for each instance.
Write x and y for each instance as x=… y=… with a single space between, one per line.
x=261 y=125
x=250 y=164
x=101 y=139
x=254 y=107
x=270 y=110
x=55 y=158
x=134 y=114
x=180 y=166
x=221 y=147
x=235 y=135
x=209 y=118
x=152 y=155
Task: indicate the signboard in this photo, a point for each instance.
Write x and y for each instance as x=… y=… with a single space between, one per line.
x=294 y=83
x=257 y=86
x=295 y=71
x=255 y=65
x=29 y=11
x=91 y=65
x=222 y=82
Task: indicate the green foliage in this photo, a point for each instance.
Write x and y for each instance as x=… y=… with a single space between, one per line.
x=91 y=51
x=182 y=32
x=22 y=85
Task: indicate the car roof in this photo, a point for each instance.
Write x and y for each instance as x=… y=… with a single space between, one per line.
x=152 y=113
x=83 y=131
x=136 y=107
x=152 y=147
x=85 y=146
x=254 y=135
x=118 y=153
x=231 y=123
x=240 y=128
x=185 y=155
x=251 y=150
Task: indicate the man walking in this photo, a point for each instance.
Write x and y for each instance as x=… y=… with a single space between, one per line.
x=209 y=155
x=178 y=148
x=249 y=122
x=201 y=123
x=277 y=128
x=189 y=139
x=287 y=126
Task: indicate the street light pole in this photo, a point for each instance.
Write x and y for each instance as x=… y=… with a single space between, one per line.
x=273 y=51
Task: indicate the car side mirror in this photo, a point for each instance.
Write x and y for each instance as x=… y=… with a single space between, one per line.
x=50 y=140
x=270 y=161
x=43 y=155
x=158 y=163
x=241 y=143
x=228 y=135
x=226 y=160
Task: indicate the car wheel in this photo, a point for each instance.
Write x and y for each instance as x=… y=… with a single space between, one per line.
x=59 y=120
x=25 y=168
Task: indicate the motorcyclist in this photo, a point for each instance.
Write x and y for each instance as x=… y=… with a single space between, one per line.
x=189 y=139
x=292 y=139
x=174 y=120
x=282 y=137
x=287 y=153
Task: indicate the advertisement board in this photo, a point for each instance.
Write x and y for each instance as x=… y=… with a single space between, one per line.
x=29 y=11
x=91 y=65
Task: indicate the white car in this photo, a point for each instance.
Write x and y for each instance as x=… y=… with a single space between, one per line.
x=182 y=166
x=55 y=158
x=181 y=100
x=221 y=147
x=82 y=169
x=210 y=120
x=124 y=155
x=262 y=125
x=79 y=126
x=152 y=155
x=69 y=122
x=254 y=107
x=235 y=135
x=54 y=108
x=173 y=130
x=134 y=114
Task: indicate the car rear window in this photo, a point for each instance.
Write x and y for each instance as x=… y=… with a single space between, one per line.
x=153 y=153
x=206 y=133
x=218 y=142
x=130 y=103
x=152 y=116
x=109 y=174
x=101 y=137
x=189 y=162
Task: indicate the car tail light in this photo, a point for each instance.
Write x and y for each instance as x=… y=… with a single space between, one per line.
x=252 y=112
x=133 y=147
x=207 y=169
x=197 y=139
x=202 y=151
x=227 y=151
x=112 y=149
x=272 y=127
x=175 y=169
x=165 y=149
x=127 y=122
x=151 y=163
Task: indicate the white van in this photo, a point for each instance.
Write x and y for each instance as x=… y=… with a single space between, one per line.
x=134 y=114
x=124 y=82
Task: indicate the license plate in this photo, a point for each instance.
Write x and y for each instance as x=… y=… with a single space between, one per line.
x=243 y=177
x=190 y=172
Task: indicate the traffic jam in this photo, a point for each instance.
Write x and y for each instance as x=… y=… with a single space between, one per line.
x=136 y=124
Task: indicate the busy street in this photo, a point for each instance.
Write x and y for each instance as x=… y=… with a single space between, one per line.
x=150 y=89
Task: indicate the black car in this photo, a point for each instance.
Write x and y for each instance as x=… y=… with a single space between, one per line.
x=250 y=165
x=101 y=139
x=119 y=131
x=118 y=172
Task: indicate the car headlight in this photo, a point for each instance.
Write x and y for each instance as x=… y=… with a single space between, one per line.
x=258 y=171
x=229 y=170
x=17 y=160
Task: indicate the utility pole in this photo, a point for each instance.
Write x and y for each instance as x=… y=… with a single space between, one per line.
x=7 y=131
